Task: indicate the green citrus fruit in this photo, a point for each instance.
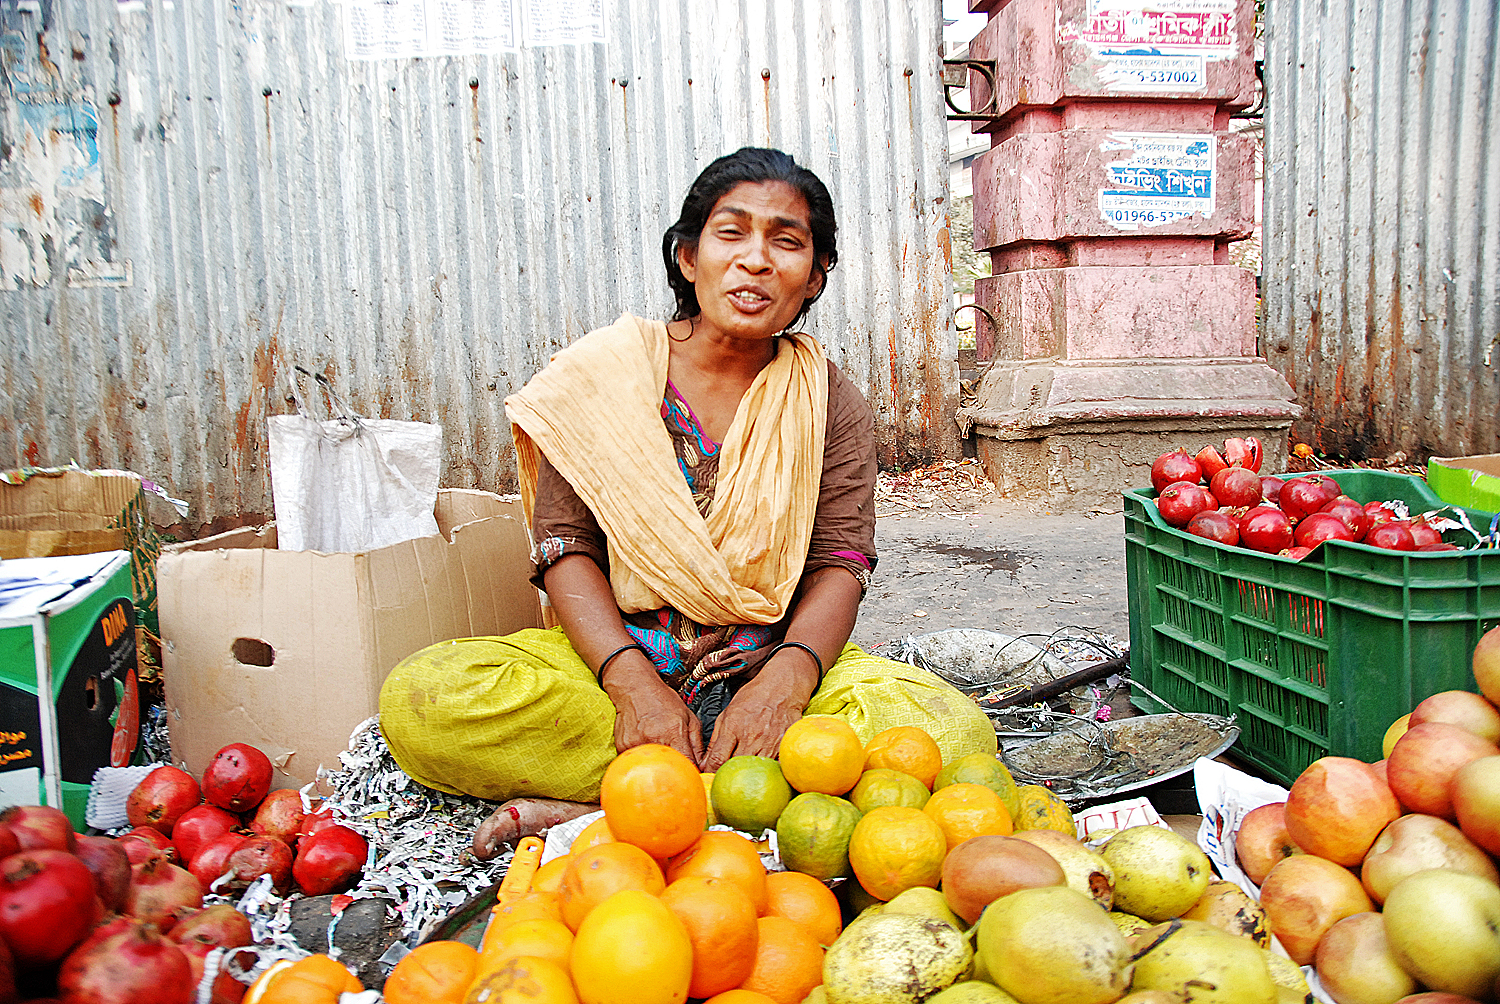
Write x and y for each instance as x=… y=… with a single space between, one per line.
x=748 y=793
x=813 y=835
x=985 y=769
x=882 y=786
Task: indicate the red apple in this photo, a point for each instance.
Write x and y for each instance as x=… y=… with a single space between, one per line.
x=1416 y=843
x=1337 y=807
x=1262 y=841
x=1356 y=965
x=1476 y=801
x=1462 y=708
x=1424 y=760
x=1306 y=895
x=1487 y=665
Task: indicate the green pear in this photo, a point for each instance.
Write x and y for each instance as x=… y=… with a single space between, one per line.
x=1201 y=963
x=1159 y=874
x=1053 y=945
x=921 y=901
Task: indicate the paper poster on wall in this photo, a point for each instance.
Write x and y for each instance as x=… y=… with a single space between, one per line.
x=551 y=23
x=407 y=29
x=1162 y=178
x=1161 y=46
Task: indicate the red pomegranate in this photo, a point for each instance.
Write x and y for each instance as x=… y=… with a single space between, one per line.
x=8 y=993
x=153 y=838
x=39 y=827
x=159 y=891
x=1318 y=527
x=1352 y=513
x=213 y=858
x=217 y=926
x=107 y=862
x=200 y=825
x=1270 y=488
x=137 y=966
x=47 y=905
x=161 y=799
x=315 y=821
x=1440 y=546
x=1424 y=532
x=330 y=860
x=1266 y=529
x=1216 y=525
x=259 y=855
x=280 y=815
x=1245 y=452
x=1210 y=462
x=1236 y=486
x=1306 y=495
x=237 y=778
x=1181 y=502
x=1393 y=536
x=1295 y=553
x=1175 y=466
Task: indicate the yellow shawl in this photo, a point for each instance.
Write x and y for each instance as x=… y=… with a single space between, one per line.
x=595 y=413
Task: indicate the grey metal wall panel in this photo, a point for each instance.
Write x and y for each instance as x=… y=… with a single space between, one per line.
x=425 y=231
x=1382 y=222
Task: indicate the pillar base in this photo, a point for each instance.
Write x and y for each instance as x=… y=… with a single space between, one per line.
x=1073 y=435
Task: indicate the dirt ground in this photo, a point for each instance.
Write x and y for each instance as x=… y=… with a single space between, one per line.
x=953 y=555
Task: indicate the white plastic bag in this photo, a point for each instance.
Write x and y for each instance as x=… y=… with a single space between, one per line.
x=351 y=483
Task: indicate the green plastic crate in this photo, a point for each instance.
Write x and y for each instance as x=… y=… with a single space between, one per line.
x=1317 y=657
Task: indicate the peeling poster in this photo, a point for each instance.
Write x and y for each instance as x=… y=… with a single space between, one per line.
x=1159 y=46
x=1163 y=177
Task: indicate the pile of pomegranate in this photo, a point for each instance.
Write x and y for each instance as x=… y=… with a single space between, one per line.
x=121 y=921
x=1285 y=517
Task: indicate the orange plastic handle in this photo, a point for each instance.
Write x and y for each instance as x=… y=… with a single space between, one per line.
x=523 y=865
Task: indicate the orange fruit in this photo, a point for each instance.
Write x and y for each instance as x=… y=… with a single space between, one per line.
x=550 y=874
x=1042 y=810
x=908 y=749
x=527 y=906
x=813 y=834
x=821 y=753
x=598 y=873
x=788 y=961
x=720 y=922
x=894 y=848
x=524 y=981
x=809 y=902
x=652 y=796
x=739 y=996
x=316 y=979
x=632 y=949
x=749 y=792
x=539 y=939
x=592 y=835
x=725 y=855
x=968 y=810
x=883 y=786
x=985 y=769
x=438 y=972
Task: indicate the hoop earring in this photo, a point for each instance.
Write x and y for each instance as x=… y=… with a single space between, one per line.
x=692 y=327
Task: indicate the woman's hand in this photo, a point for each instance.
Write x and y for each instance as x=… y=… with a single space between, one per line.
x=649 y=711
x=753 y=723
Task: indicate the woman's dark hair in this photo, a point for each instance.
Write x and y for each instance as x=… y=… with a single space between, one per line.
x=753 y=165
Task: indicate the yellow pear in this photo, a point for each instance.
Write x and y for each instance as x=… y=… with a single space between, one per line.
x=921 y=901
x=1085 y=869
x=1053 y=945
x=1159 y=874
x=1128 y=923
x=972 y=992
x=1198 y=962
x=1227 y=907
x=879 y=957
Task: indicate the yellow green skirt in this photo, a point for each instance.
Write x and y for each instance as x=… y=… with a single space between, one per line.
x=522 y=715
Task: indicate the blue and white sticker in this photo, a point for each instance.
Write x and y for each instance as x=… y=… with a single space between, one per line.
x=1150 y=70
x=1162 y=178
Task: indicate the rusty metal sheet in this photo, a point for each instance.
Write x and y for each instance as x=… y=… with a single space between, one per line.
x=1382 y=223
x=196 y=196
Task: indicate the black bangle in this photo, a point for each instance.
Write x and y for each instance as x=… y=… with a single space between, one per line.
x=622 y=649
x=806 y=648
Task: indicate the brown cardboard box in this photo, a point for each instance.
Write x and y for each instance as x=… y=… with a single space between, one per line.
x=286 y=650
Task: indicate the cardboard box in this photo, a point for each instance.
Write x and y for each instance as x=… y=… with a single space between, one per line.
x=46 y=512
x=286 y=650
x=69 y=702
x=1472 y=482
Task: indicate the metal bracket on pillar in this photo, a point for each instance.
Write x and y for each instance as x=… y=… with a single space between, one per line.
x=956 y=76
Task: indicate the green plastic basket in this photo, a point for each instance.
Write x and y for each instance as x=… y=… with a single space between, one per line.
x=1317 y=657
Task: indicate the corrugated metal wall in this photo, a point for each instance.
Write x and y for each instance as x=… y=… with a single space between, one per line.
x=195 y=195
x=1382 y=222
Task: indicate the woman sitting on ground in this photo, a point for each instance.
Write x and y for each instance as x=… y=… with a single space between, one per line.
x=701 y=497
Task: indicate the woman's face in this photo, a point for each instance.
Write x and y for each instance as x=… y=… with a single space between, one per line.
x=753 y=266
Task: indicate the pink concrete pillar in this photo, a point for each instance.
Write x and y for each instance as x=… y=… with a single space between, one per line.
x=1107 y=201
